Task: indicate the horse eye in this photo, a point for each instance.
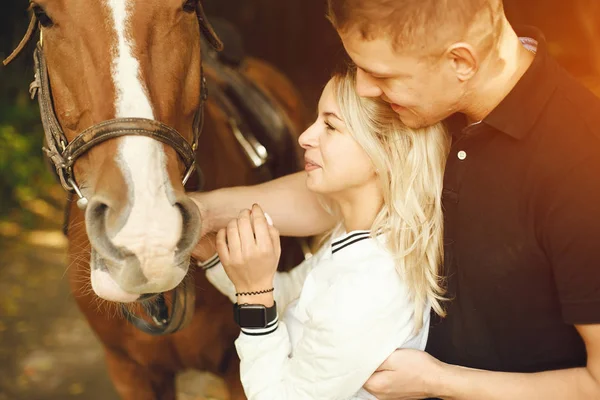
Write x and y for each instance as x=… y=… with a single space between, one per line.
x=190 y=6
x=41 y=16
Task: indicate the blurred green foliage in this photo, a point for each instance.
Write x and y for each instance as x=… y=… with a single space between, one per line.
x=23 y=172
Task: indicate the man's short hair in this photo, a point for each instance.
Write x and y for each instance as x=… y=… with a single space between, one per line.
x=419 y=24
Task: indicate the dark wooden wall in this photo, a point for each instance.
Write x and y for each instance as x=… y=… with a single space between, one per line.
x=292 y=34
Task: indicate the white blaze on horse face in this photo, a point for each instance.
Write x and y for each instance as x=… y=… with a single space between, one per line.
x=154 y=224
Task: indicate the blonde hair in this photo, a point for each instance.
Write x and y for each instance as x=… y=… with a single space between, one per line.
x=410 y=166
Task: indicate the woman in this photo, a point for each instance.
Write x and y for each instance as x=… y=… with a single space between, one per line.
x=320 y=331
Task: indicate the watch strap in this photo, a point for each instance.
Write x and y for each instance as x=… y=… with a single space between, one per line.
x=270 y=328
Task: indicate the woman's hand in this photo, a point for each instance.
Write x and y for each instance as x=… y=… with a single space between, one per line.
x=249 y=250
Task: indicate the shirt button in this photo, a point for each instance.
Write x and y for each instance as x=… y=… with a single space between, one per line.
x=462 y=155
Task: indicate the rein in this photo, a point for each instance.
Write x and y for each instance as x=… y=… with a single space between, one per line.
x=64 y=154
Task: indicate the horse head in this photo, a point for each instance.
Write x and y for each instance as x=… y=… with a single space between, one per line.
x=125 y=89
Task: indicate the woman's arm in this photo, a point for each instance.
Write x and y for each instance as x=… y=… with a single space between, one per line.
x=353 y=316
x=351 y=327
x=295 y=210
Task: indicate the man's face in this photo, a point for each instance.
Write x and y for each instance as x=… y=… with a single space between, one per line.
x=422 y=90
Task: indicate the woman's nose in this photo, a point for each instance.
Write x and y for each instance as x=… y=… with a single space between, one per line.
x=309 y=137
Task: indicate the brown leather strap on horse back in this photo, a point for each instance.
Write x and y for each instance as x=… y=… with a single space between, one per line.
x=207 y=29
x=24 y=41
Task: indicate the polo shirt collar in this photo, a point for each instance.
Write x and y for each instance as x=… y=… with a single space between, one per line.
x=518 y=112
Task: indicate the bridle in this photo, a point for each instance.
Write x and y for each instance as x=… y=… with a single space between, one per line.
x=63 y=154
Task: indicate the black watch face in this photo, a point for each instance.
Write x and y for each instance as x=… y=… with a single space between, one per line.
x=251 y=316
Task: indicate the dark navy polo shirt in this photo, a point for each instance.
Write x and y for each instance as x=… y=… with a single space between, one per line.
x=522 y=227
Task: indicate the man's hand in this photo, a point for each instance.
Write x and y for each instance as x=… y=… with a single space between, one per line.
x=412 y=374
x=407 y=374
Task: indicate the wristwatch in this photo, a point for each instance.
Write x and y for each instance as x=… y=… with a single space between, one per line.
x=254 y=315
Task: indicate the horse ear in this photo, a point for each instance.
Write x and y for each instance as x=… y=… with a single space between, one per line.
x=207 y=29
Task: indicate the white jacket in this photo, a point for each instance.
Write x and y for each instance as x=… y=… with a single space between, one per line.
x=345 y=310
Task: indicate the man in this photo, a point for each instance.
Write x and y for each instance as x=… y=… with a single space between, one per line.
x=521 y=198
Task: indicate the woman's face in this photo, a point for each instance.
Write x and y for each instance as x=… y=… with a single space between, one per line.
x=334 y=162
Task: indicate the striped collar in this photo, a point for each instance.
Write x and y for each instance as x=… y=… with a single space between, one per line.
x=349 y=239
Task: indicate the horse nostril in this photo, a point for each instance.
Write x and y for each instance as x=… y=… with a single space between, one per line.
x=95 y=217
x=98 y=211
x=190 y=232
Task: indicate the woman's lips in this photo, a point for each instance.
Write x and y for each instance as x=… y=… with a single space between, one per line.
x=397 y=108
x=310 y=165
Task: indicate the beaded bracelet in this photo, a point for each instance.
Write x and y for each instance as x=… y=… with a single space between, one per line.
x=255 y=293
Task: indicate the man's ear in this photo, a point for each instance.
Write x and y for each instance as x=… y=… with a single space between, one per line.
x=464 y=60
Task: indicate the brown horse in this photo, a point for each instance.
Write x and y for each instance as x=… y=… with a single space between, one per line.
x=108 y=72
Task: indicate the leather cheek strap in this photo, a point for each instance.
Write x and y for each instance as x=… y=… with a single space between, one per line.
x=207 y=29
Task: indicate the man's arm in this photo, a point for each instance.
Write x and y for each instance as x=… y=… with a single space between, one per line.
x=572 y=384
x=295 y=210
x=410 y=374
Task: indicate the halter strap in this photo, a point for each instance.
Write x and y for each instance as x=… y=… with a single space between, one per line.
x=64 y=154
